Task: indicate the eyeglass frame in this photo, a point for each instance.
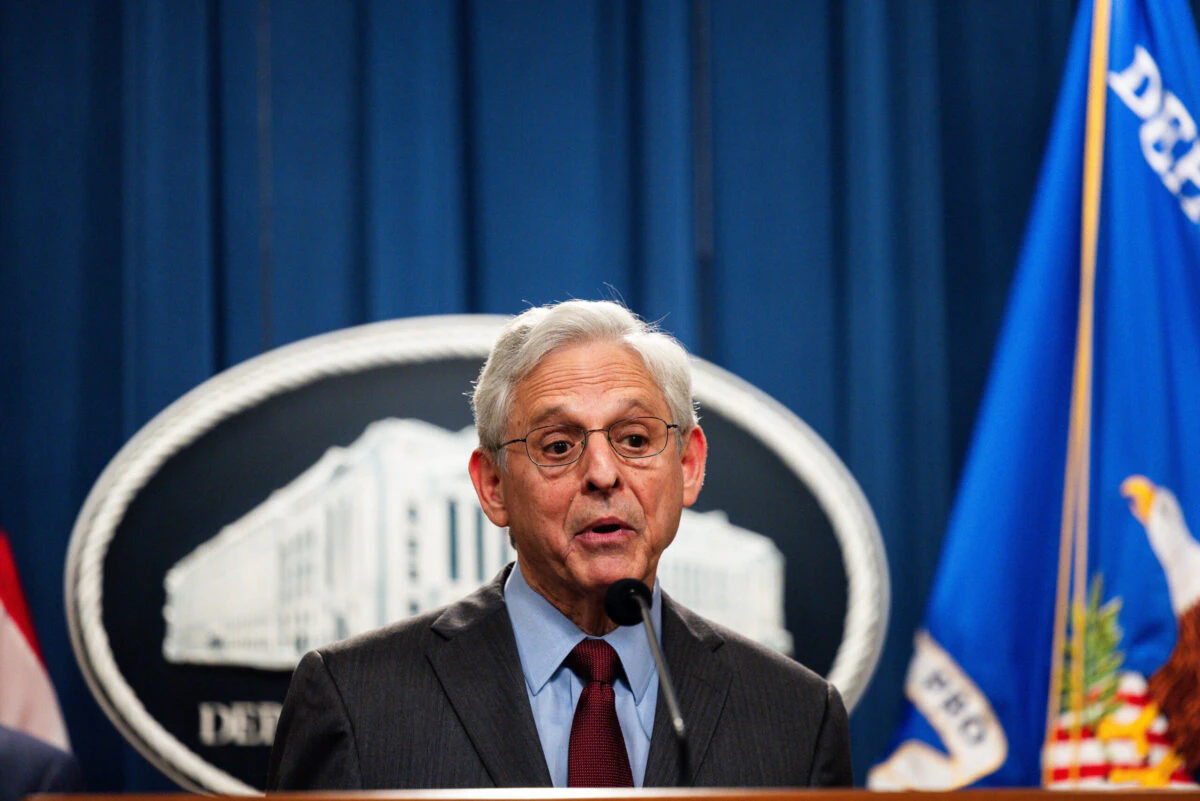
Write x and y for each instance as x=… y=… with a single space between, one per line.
x=586 y=432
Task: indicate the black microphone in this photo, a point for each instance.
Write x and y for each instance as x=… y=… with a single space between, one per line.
x=627 y=602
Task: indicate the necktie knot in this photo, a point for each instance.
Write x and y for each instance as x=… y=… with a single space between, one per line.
x=595 y=660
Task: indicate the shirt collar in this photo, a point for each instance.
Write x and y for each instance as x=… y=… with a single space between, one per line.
x=545 y=636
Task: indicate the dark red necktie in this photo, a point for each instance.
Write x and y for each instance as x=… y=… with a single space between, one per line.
x=597 y=756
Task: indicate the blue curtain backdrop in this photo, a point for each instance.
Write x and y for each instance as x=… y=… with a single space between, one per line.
x=824 y=197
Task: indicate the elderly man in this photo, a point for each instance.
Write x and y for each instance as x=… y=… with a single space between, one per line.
x=589 y=450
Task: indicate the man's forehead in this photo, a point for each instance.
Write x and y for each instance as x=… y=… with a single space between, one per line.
x=598 y=378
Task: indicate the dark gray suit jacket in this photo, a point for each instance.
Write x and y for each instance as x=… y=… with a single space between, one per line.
x=28 y=765
x=439 y=700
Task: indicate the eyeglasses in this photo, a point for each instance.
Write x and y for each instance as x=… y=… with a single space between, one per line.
x=561 y=445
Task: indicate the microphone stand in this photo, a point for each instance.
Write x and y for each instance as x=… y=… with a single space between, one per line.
x=618 y=603
x=668 y=690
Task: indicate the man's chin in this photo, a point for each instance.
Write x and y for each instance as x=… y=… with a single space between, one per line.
x=599 y=573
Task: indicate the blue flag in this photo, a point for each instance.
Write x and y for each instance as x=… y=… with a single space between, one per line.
x=1061 y=644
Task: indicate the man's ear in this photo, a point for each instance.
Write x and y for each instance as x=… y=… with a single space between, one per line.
x=489 y=486
x=693 y=458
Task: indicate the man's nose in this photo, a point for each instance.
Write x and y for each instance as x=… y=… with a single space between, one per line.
x=601 y=464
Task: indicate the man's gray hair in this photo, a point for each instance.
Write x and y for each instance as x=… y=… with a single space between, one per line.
x=532 y=335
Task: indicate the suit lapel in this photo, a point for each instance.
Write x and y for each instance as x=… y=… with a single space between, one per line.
x=702 y=684
x=479 y=668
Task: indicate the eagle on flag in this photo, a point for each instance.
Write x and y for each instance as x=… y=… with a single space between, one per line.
x=1175 y=686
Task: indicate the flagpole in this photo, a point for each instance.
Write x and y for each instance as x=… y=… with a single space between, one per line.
x=1076 y=489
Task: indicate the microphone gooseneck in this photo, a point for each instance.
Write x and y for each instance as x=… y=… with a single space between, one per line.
x=627 y=603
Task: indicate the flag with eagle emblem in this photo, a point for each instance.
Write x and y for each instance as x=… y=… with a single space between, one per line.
x=1061 y=643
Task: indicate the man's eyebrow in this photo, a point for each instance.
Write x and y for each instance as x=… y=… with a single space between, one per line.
x=544 y=415
x=629 y=407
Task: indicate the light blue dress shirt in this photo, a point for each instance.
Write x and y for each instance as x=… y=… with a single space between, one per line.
x=544 y=638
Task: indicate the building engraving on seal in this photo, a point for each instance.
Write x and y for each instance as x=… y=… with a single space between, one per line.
x=389 y=527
